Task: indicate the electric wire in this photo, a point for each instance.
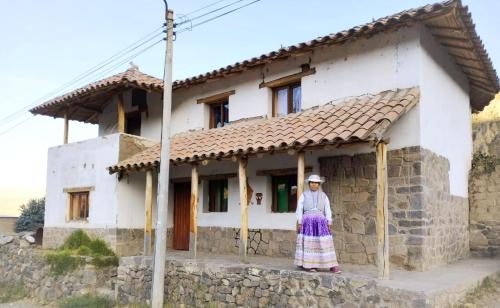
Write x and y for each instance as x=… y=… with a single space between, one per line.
x=208 y=13
x=215 y=17
x=145 y=39
x=115 y=57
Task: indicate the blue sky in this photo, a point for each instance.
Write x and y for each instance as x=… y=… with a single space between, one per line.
x=47 y=43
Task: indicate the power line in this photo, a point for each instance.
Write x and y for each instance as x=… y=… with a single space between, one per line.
x=145 y=39
x=208 y=13
x=16 y=125
x=129 y=49
x=215 y=17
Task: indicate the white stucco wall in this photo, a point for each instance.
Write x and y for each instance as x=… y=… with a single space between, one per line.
x=445 y=124
x=83 y=164
x=131 y=198
x=365 y=66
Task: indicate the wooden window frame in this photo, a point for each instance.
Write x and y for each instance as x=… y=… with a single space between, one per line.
x=220 y=103
x=290 y=88
x=211 y=197
x=70 y=215
x=274 y=204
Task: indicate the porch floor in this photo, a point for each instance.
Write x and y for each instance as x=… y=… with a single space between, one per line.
x=455 y=279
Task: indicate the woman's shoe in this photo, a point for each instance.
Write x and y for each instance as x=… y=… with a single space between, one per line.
x=335 y=270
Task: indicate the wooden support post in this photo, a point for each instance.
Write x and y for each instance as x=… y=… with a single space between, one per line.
x=193 y=227
x=66 y=127
x=148 y=206
x=382 y=221
x=120 y=110
x=242 y=172
x=300 y=173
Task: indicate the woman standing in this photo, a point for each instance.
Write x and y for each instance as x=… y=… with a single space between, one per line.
x=314 y=241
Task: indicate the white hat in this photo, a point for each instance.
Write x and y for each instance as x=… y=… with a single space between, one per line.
x=314 y=178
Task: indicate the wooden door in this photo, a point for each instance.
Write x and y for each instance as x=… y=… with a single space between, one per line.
x=182 y=199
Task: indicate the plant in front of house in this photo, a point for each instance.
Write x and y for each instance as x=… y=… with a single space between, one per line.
x=79 y=249
x=32 y=215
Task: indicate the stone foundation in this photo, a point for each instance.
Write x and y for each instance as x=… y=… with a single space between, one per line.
x=484 y=193
x=427 y=226
x=125 y=242
x=20 y=262
x=264 y=242
x=200 y=284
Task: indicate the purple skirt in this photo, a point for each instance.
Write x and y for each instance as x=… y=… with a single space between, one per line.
x=315 y=243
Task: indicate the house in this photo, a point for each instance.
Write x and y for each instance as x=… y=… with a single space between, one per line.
x=390 y=99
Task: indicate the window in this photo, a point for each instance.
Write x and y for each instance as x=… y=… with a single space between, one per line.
x=286 y=99
x=133 y=123
x=284 y=193
x=217 y=195
x=78 y=205
x=219 y=114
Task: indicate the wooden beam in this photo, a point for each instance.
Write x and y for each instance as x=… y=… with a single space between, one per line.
x=215 y=98
x=120 y=110
x=242 y=172
x=300 y=173
x=66 y=128
x=457 y=46
x=452 y=38
x=193 y=228
x=148 y=212
x=279 y=172
x=287 y=79
x=78 y=189
x=210 y=177
x=382 y=213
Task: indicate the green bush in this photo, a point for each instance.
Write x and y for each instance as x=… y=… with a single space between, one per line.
x=86 y=301
x=76 y=240
x=63 y=261
x=70 y=255
x=100 y=261
x=100 y=248
x=32 y=215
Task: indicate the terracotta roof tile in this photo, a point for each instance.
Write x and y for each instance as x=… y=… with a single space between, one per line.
x=299 y=129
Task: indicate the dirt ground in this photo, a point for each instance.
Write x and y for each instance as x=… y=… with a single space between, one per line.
x=486 y=296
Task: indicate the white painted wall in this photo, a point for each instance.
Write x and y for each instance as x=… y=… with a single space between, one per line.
x=445 y=124
x=365 y=66
x=83 y=164
x=131 y=197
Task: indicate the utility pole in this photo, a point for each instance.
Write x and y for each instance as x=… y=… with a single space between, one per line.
x=157 y=291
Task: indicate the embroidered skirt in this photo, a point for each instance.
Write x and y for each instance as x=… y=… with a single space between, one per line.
x=315 y=243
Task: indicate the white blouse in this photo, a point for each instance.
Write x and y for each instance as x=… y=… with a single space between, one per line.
x=300 y=209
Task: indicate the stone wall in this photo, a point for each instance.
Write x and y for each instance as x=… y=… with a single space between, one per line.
x=125 y=242
x=427 y=226
x=20 y=261
x=200 y=284
x=484 y=193
x=265 y=242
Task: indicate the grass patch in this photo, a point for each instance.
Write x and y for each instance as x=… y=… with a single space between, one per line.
x=86 y=301
x=10 y=292
x=71 y=254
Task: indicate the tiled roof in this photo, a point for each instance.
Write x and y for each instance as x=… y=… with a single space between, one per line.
x=130 y=78
x=450 y=22
x=357 y=119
